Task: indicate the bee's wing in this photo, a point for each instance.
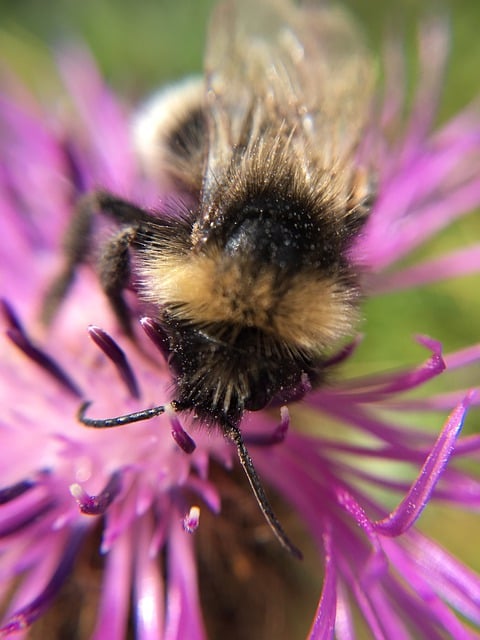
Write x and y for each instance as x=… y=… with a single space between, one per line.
x=273 y=65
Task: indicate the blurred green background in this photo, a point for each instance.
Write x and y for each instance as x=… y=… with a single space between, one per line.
x=140 y=45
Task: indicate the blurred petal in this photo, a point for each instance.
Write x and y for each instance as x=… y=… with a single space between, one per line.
x=324 y=623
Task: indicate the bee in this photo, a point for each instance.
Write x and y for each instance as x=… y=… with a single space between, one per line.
x=252 y=281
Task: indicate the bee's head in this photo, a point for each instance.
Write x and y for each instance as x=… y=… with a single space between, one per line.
x=221 y=371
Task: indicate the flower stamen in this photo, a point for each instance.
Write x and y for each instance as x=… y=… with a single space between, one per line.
x=192 y=519
x=97 y=505
x=277 y=436
x=18 y=336
x=111 y=349
x=181 y=437
x=157 y=335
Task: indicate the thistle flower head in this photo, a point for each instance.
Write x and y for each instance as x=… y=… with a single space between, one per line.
x=145 y=491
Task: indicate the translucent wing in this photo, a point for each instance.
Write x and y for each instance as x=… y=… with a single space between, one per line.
x=274 y=67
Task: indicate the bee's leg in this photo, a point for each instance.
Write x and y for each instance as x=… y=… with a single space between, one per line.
x=76 y=245
x=114 y=274
x=114 y=264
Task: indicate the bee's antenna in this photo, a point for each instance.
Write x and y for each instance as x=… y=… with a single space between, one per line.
x=234 y=434
x=145 y=414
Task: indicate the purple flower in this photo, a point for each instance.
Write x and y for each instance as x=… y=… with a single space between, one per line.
x=146 y=492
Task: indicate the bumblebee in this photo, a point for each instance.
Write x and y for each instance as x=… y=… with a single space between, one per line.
x=251 y=278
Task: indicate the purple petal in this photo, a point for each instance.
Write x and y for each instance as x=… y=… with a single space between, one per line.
x=119 y=518
x=26 y=509
x=344 y=624
x=456 y=583
x=111 y=158
x=277 y=436
x=423 y=223
x=324 y=622
x=393 y=94
x=414 y=610
x=441 y=402
x=376 y=387
x=376 y=566
x=76 y=167
x=468 y=445
x=415 y=501
x=433 y=48
x=112 y=617
x=344 y=354
x=184 y=618
x=393 y=620
x=451 y=265
x=368 y=610
x=32 y=165
x=424 y=587
x=148 y=585
x=422 y=196
x=15 y=490
x=31 y=612
x=463 y=357
x=208 y=492
x=356 y=415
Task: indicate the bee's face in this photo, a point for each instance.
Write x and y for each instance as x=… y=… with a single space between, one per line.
x=257 y=366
